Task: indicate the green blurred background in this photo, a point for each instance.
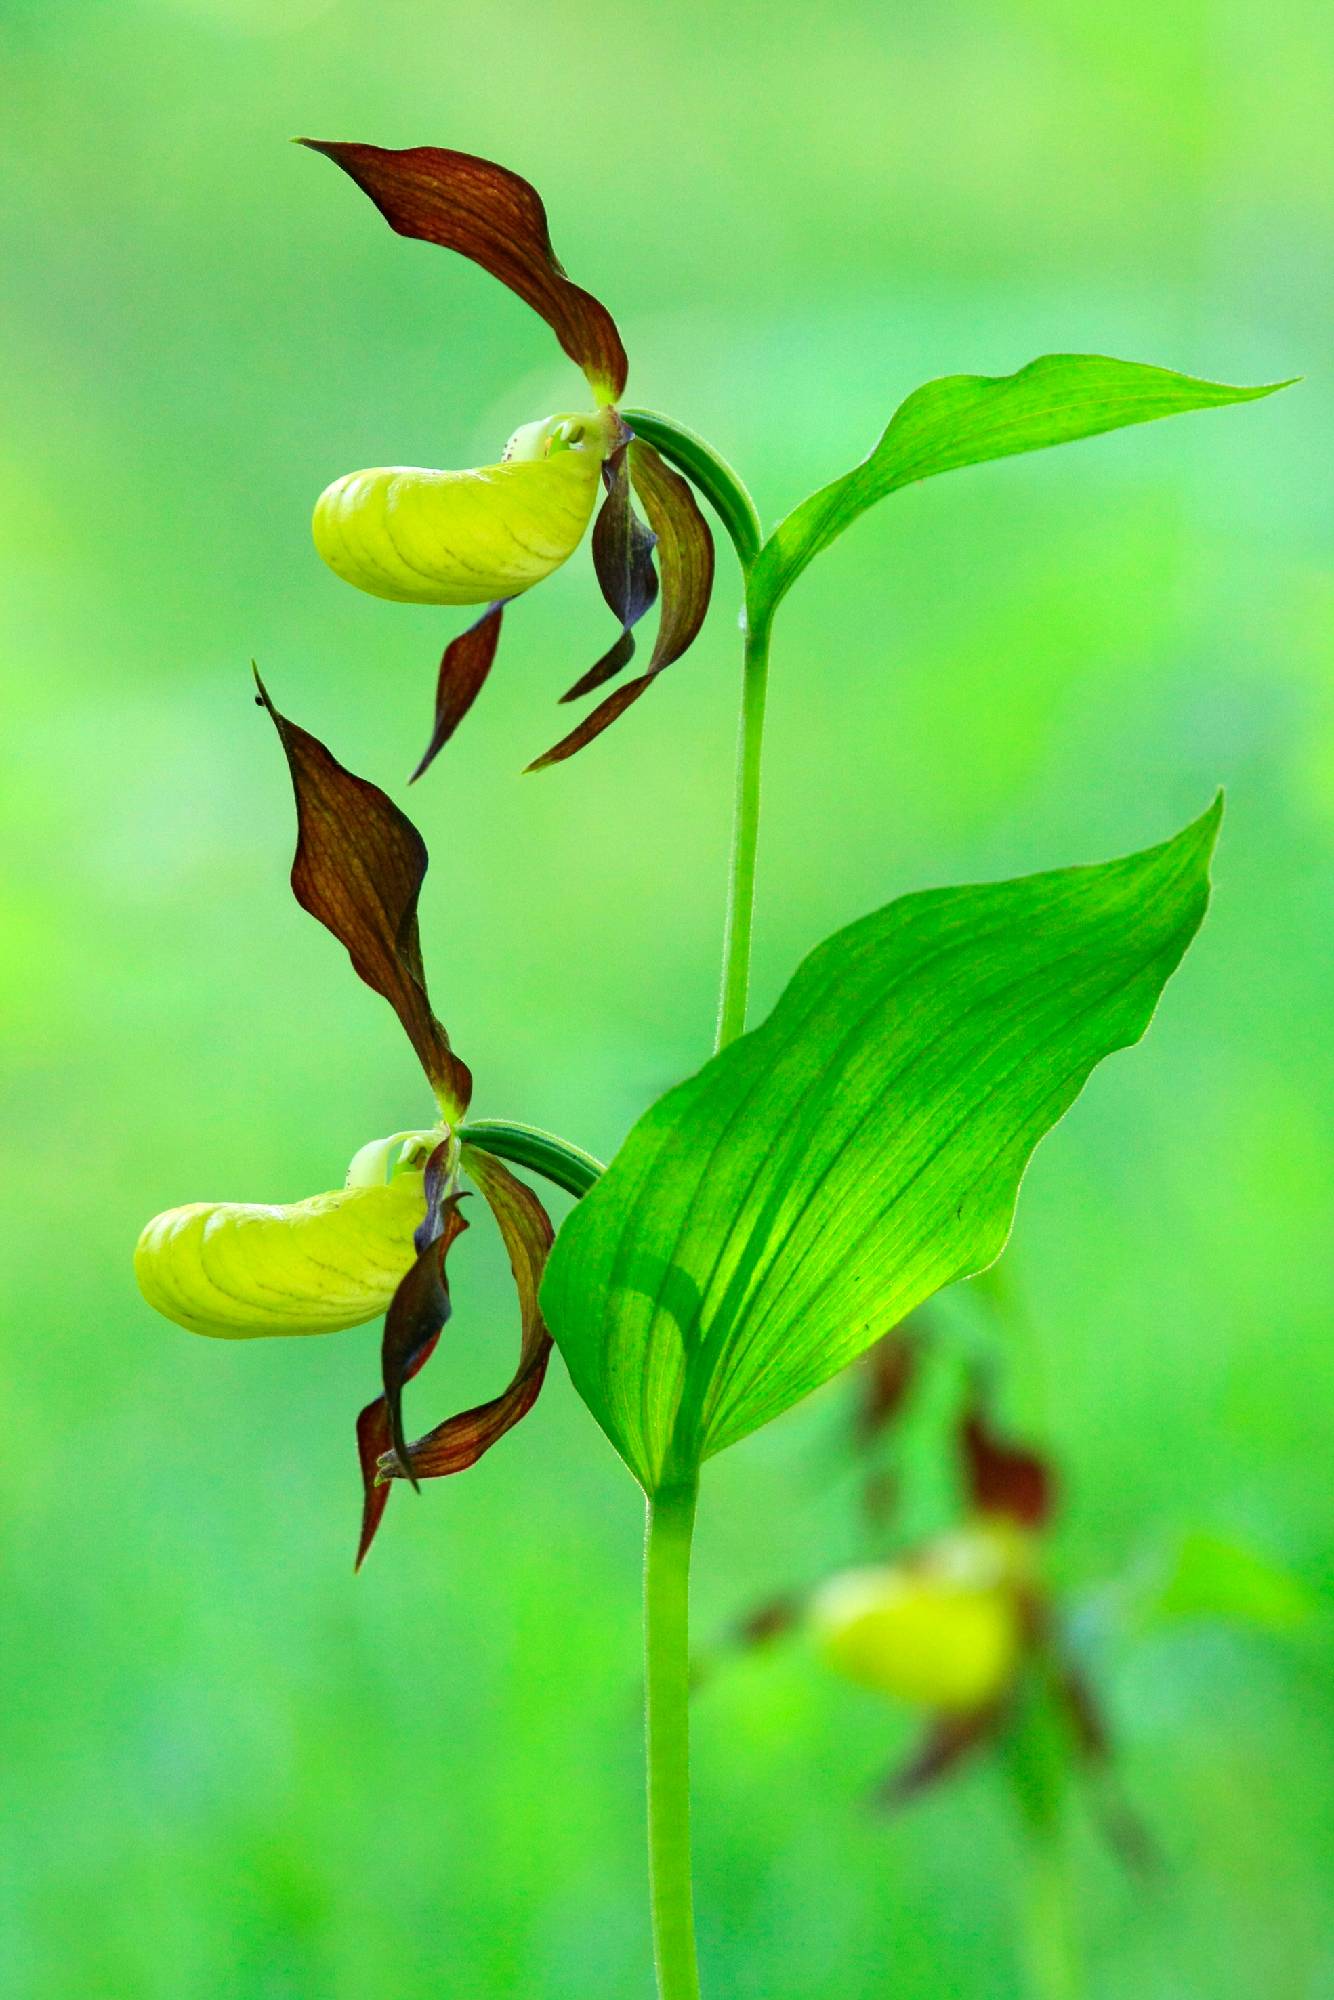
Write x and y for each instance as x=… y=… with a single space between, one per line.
x=229 y=1768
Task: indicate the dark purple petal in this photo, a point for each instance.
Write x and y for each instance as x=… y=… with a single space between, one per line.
x=684 y=549
x=461 y=1440
x=623 y=560
x=412 y=1328
x=420 y=1306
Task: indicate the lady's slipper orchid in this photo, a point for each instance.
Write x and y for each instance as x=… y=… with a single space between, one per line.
x=486 y=535
x=943 y=1631
x=960 y=1628
x=379 y=1244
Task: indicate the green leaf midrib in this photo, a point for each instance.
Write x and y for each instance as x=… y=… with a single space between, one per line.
x=1101 y=993
x=744 y=1335
x=814 y=523
x=861 y=1149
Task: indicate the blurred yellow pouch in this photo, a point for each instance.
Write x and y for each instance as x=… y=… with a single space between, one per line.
x=946 y=1633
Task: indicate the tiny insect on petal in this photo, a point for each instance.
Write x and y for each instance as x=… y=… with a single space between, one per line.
x=238 y=1270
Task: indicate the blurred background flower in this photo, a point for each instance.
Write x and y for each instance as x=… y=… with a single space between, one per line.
x=1047 y=661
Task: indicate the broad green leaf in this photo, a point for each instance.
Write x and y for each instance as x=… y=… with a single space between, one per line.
x=966 y=419
x=771 y=1217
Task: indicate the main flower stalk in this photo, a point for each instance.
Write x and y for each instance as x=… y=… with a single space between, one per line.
x=671 y=1521
x=745 y=838
x=730 y=499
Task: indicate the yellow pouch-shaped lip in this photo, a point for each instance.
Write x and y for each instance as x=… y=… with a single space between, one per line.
x=422 y=537
x=927 y=1638
x=241 y=1269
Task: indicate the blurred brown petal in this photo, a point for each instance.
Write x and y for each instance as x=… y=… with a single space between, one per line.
x=884 y=1376
x=1122 y=1826
x=948 y=1741
x=882 y=1492
x=420 y=1306
x=768 y=1622
x=461 y=1440
x=1004 y=1478
x=358 y=869
x=491 y=215
x=463 y=670
x=685 y=552
x=623 y=560
x=1084 y=1711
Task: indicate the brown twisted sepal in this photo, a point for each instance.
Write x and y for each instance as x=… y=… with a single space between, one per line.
x=461 y=1440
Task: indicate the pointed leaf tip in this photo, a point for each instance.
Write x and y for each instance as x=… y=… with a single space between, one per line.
x=822 y=1176
x=963 y=420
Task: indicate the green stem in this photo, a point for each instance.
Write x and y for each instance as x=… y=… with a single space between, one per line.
x=1051 y=1936
x=671 y=1520
x=568 y=1166
x=726 y=493
x=745 y=836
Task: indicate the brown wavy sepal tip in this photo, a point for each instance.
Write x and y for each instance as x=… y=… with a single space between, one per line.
x=485 y=212
x=1004 y=1478
x=358 y=870
x=464 y=667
